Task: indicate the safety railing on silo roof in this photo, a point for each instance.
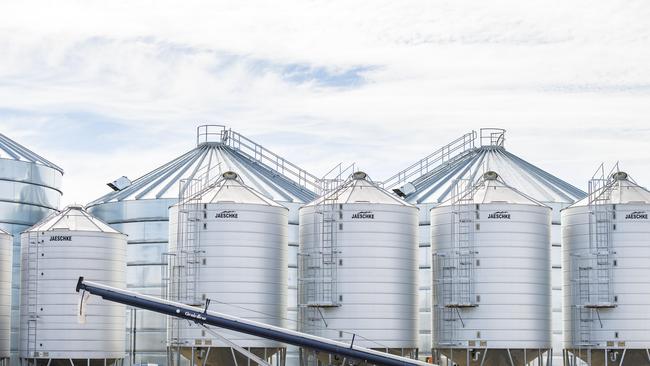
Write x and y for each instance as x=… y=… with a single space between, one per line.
x=442 y=156
x=258 y=153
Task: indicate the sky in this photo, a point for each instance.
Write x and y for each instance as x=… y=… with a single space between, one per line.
x=106 y=89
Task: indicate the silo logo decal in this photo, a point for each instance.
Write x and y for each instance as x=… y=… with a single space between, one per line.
x=499 y=215
x=364 y=215
x=637 y=215
x=226 y=215
x=61 y=238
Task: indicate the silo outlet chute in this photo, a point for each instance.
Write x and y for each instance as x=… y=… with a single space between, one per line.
x=606 y=288
x=358 y=269
x=491 y=295
x=228 y=253
x=54 y=252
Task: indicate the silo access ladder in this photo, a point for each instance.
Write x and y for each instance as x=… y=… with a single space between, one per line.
x=319 y=263
x=455 y=269
x=594 y=270
x=33 y=251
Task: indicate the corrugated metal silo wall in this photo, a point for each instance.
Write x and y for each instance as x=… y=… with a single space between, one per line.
x=146 y=222
x=426 y=278
x=28 y=193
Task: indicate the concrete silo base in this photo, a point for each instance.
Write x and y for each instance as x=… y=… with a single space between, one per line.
x=226 y=356
x=491 y=357
x=609 y=357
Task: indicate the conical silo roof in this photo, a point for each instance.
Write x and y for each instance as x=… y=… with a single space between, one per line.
x=621 y=190
x=10 y=149
x=431 y=180
x=220 y=150
x=231 y=189
x=491 y=188
x=73 y=218
x=360 y=189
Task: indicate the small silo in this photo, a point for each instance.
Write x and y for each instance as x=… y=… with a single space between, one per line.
x=429 y=182
x=5 y=296
x=358 y=269
x=606 y=257
x=30 y=189
x=141 y=210
x=54 y=253
x=491 y=275
x=228 y=243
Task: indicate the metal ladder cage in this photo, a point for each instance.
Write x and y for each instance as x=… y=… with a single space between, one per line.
x=453 y=284
x=593 y=271
x=34 y=242
x=318 y=263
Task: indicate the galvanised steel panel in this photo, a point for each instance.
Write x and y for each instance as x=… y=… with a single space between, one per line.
x=376 y=276
x=28 y=192
x=512 y=277
x=629 y=321
x=5 y=294
x=62 y=256
x=244 y=267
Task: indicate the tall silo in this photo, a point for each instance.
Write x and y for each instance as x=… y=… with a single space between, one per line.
x=30 y=189
x=429 y=182
x=5 y=296
x=605 y=241
x=358 y=269
x=228 y=245
x=491 y=276
x=54 y=254
x=140 y=209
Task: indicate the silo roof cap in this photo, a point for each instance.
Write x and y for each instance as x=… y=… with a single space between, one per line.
x=493 y=189
x=229 y=189
x=72 y=218
x=622 y=191
x=358 y=188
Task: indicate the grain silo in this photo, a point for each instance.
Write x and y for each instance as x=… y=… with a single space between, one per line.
x=140 y=209
x=228 y=245
x=606 y=274
x=54 y=254
x=5 y=296
x=358 y=269
x=429 y=182
x=30 y=189
x=491 y=275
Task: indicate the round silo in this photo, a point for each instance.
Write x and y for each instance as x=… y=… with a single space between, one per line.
x=228 y=244
x=30 y=189
x=5 y=296
x=606 y=272
x=55 y=252
x=491 y=275
x=358 y=269
x=141 y=210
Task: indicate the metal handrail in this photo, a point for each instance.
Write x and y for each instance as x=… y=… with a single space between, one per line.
x=263 y=156
x=458 y=146
x=492 y=136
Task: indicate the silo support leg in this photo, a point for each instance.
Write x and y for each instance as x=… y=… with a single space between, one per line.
x=485 y=351
x=234 y=358
x=238 y=348
x=512 y=363
x=623 y=357
x=647 y=352
x=205 y=360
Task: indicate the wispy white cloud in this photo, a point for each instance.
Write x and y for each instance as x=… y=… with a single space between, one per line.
x=106 y=89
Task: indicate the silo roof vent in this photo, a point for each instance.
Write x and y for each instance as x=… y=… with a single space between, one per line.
x=490 y=175
x=359 y=175
x=620 y=176
x=229 y=175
